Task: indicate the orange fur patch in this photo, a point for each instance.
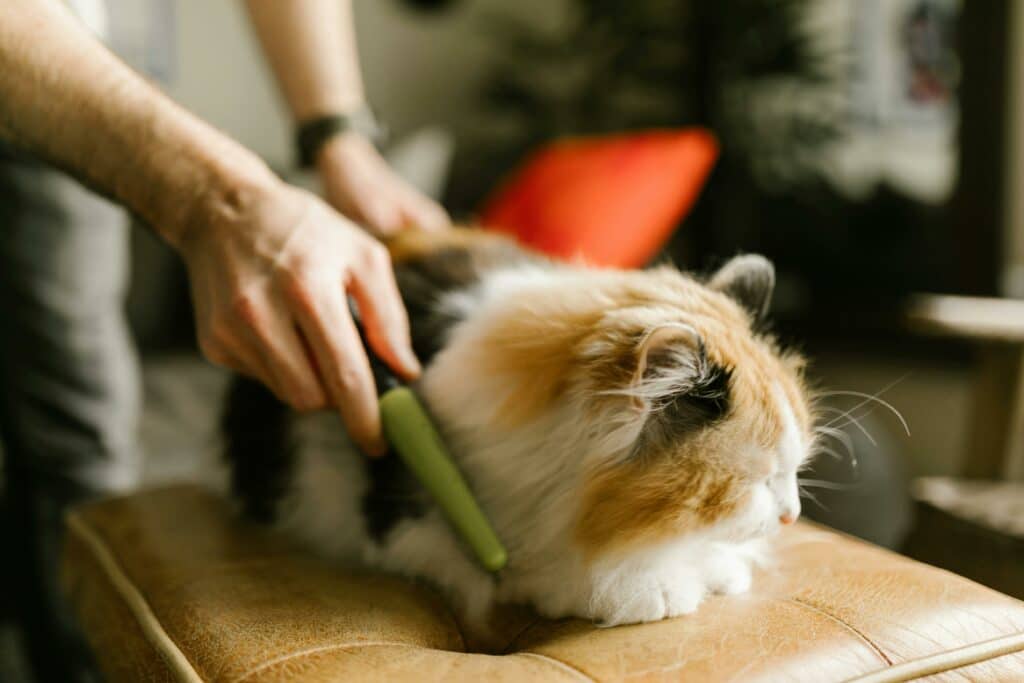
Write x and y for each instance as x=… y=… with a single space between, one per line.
x=533 y=357
x=659 y=496
x=640 y=503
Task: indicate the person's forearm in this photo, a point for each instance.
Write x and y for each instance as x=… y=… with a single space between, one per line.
x=312 y=50
x=64 y=97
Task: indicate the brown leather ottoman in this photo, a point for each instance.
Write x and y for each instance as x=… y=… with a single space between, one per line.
x=170 y=587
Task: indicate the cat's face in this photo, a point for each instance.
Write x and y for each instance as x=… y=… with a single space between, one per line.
x=721 y=417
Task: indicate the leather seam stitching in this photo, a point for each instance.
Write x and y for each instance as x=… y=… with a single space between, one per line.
x=134 y=600
x=922 y=666
x=870 y=643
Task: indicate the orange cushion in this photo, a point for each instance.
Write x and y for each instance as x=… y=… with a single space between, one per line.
x=612 y=201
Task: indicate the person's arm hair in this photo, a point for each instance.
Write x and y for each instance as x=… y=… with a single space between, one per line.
x=64 y=97
x=270 y=266
x=311 y=47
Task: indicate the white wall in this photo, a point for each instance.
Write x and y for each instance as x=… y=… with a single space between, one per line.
x=419 y=68
x=221 y=77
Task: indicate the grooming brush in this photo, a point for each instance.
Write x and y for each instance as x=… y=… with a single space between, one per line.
x=410 y=431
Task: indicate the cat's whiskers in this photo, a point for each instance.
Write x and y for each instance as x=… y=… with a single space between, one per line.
x=804 y=493
x=823 y=484
x=840 y=436
x=836 y=455
x=835 y=429
x=868 y=398
x=853 y=419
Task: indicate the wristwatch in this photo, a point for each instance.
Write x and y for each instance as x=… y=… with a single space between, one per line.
x=312 y=134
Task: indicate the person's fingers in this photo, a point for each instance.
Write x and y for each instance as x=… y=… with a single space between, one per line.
x=323 y=316
x=416 y=209
x=369 y=192
x=245 y=359
x=338 y=198
x=384 y=317
x=284 y=356
x=424 y=213
x=221 y=344
x=256 y=338
x=381 y=215
x=364 y=203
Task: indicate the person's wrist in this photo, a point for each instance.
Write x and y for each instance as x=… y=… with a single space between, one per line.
x=342 y=149
x=230 y=191
x=314 y=133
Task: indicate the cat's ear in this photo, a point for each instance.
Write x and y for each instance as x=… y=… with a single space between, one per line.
x=669 y=358
x=676 y=387
x=749 y=279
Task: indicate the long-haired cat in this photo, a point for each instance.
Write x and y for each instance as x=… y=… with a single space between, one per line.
x=630 y=435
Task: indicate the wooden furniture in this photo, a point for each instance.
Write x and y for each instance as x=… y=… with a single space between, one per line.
x=974 y=524
x=972 y=527
x=995 y=448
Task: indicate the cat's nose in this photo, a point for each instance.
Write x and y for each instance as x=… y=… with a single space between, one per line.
x=789 y=511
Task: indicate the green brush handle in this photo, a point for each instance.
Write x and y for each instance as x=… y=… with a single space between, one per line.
x=410 y=431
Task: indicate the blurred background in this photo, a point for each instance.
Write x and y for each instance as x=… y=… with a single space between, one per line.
x=871 y=148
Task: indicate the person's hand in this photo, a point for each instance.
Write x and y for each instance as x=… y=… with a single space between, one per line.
x=270 y=270
x=360 y=184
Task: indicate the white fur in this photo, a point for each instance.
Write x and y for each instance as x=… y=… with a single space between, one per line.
x=527 y=480
x=793 y=451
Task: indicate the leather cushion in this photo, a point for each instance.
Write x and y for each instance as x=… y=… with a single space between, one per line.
x=169 y=586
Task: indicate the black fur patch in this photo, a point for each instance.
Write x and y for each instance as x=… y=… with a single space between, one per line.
x=707 y=402
x=423 y=281
x=422 y=284
x=255 y=429
x=261 y=454
x=393 y=495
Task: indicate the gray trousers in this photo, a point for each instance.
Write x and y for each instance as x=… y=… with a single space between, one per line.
x=69 y=380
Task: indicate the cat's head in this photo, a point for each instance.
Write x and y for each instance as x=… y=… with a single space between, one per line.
x=718 y=416
x=651 y=395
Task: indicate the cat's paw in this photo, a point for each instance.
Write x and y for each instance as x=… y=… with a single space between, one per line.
x=727 y=573
x=648 y=599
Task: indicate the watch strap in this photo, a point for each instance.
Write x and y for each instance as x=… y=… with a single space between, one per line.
x=312 y=134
